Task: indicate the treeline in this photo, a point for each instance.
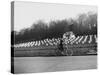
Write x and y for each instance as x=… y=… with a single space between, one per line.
x=85 y=24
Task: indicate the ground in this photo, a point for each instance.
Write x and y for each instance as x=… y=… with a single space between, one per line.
x=51 y=64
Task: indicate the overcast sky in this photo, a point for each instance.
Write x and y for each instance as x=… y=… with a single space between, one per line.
x=27 y=13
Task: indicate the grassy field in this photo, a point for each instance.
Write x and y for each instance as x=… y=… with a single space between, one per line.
x=51 y=64
x=51 y=51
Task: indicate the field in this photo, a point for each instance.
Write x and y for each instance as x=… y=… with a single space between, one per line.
x=48 y=64
x=79 y=46
x=47 y=58
x=52 y=50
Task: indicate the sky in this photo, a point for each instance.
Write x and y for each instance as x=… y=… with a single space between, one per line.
x=27 y=13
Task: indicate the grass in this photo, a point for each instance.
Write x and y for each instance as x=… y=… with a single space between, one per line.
x=51 y=51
